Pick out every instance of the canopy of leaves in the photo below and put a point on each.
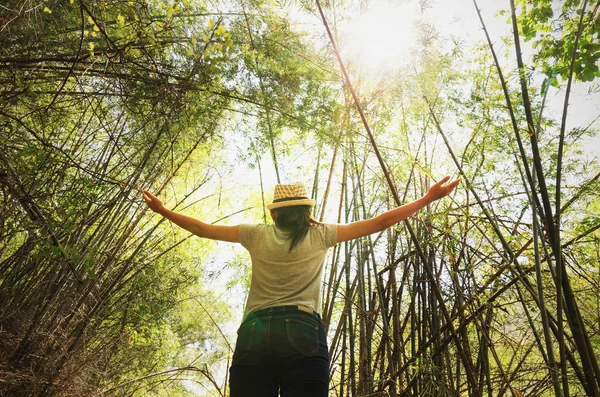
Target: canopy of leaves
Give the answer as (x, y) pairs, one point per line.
(494, 290)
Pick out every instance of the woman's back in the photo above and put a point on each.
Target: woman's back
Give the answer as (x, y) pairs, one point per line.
(282, 277)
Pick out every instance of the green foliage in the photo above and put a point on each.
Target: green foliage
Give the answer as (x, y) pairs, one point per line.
(100, 99)
(553, 30)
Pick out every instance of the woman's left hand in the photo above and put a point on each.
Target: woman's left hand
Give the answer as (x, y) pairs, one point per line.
(442, 189)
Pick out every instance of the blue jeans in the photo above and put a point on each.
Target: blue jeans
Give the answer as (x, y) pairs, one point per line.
(280, 349)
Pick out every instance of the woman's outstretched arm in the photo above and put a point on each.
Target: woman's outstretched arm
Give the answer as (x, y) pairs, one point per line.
(364, 228)
(199, 228)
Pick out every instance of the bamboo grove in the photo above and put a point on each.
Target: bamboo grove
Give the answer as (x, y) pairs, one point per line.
(493, 292)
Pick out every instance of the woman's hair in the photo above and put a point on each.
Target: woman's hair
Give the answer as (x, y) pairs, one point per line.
(296, 219)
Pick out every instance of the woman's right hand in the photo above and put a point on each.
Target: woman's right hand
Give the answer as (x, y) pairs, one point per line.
(442, 188)
(153, 202)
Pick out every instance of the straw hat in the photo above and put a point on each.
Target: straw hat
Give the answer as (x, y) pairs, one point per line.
(290, 195)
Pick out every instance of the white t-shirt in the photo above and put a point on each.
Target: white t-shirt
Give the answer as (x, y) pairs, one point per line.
(281, 277)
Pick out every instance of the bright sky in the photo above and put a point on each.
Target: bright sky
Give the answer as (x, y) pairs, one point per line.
(379, 38)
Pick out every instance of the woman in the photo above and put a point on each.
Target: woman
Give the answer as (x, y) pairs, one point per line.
(281, 345)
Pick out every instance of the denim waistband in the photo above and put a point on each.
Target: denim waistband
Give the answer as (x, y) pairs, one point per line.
(285, 309)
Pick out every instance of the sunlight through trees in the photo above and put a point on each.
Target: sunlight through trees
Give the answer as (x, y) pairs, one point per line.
(208, 104)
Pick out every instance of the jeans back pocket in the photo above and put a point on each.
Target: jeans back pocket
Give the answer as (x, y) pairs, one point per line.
(303, 335)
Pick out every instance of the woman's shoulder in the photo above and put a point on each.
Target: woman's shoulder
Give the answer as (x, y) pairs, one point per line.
(327, 231)
(253, 228)
(323, 226)
(250, 232)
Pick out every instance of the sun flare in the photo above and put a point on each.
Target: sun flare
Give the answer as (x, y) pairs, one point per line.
(380, 38)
